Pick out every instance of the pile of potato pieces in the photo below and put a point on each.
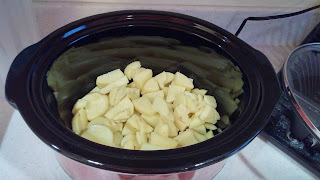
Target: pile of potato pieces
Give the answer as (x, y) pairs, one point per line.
(150, 113)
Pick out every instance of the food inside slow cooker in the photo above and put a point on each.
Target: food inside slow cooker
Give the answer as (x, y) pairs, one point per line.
(165, 97)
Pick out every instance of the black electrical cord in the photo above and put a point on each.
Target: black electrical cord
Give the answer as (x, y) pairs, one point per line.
(273, 17)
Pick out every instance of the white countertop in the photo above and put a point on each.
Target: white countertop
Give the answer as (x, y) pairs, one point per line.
(24, 156)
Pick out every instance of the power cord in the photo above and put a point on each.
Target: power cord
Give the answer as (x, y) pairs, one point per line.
(273, 17)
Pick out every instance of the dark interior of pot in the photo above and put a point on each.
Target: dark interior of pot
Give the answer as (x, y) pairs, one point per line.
(84, 69)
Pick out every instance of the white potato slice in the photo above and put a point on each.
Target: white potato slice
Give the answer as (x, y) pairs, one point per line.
(181, 113)
(104, 121)
(186, 138)
(144, 106)
(162, 129)
(180, 125)
(169, 117)
(121, 93)
(201, 92)
(159, 105)
(152, 95)
(151, 120)
(126, 130)
(200, 129)
(133, 93)
(210, 100)
(123, 105)
(169, 78)
(113, 95)
(128, 145)
(119, 126)
(122, 81)
(173, 131)
(141, 137)
(150, 147)
(79, 121)
(191, 105)
(133, 123)
(161, 141)
(208, 114)
(80, 104)
(130, 70)
(199, 136)
(173, 91)
(141, 78)
(108, 78)
(180, 99)
(210, 126)
(102, 133)
(117, 138)
(97, 107)
(150, 86)
(122, 116)
(95, 90)
(161, 78)
(144, 127)
(209, 134)
(165, 91)
(196, 122)
(182, 80)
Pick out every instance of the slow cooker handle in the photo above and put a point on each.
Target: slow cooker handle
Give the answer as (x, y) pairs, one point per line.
(17, 75)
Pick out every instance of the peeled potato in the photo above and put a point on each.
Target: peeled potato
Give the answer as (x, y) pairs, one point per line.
(182, 80)
(144, 106)
(109, 78)
(102, 134)
(141, 78)
(97, 107)
(130, 70)
(170, 114)
(79, 121)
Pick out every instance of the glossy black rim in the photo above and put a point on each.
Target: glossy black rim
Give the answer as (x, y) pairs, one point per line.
(46, 125)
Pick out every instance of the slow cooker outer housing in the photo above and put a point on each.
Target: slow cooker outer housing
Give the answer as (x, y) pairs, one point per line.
(26, 79)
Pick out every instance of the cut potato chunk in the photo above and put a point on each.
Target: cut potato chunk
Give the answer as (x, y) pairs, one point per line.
(79, 121)
(151, 120)
(122, 81)
(208, 114)
(141, 138)
(95, 90)
(161, 141)
(180, 99)
(122, 116)
(150, 86)
(186, 138)
(162, 129)
(173, 131)
(113, 95)
(169, 78)
(133, 93)
(117, 138)
(123, 105)
(102, 134)
(209, 134)
(161, 78)
(201, 92)
(182, 80)
(144, 127)
(199, 136)
(191, 105)
(80, 104)
(180, 125)
(210, 126)
(144, 106)
(131, 69)
(106, 122)
(200, 129)
(152, 95)
(126, 130)
(133, 123)
(108, 78)
(173, 91)
(141, 78)
(210, 100)
(150, 147)
(97, 107)
(196, 122)
(165, 91)
(181, 113)
(159, 105)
